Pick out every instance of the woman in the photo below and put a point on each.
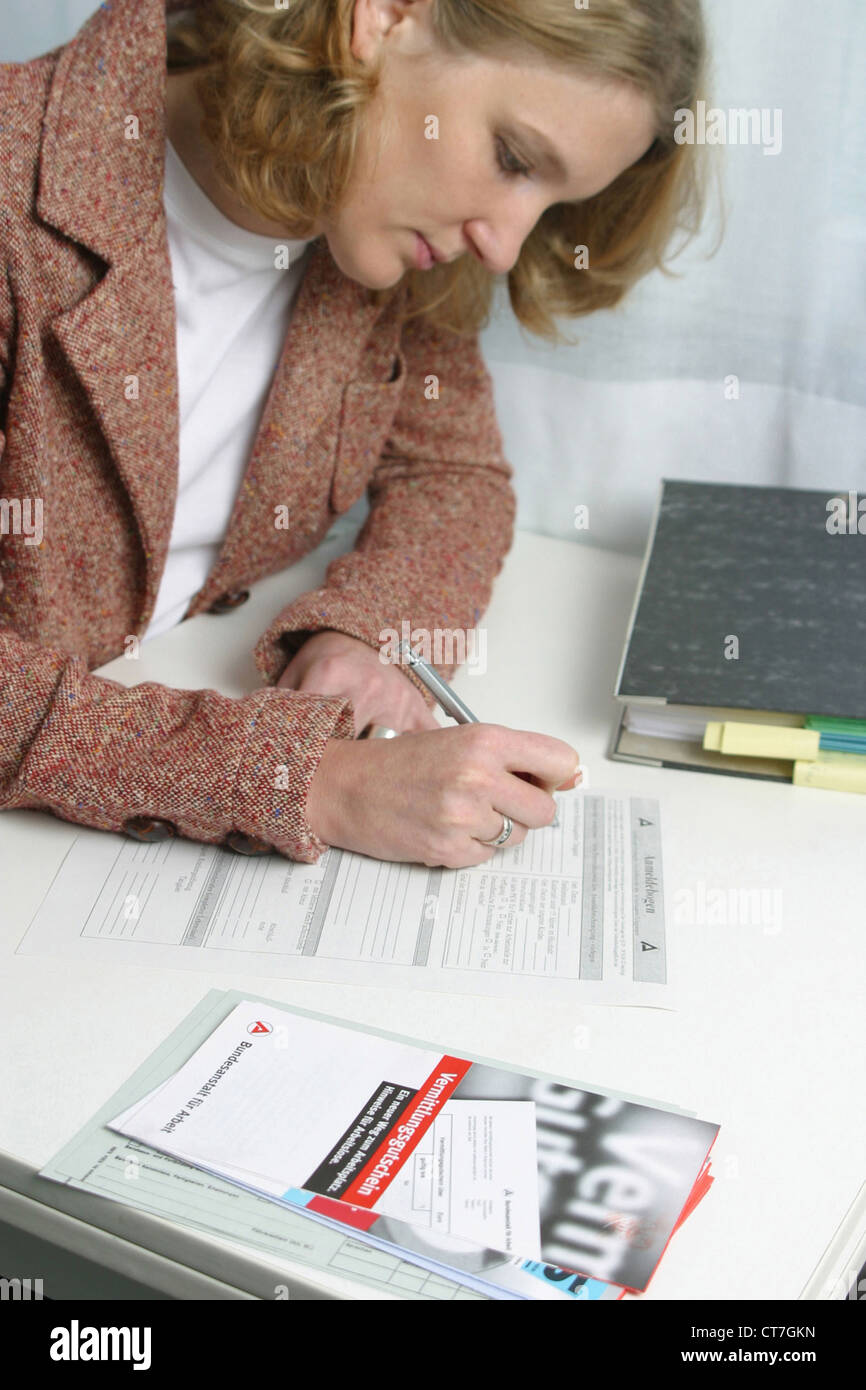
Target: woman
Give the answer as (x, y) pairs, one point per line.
(397, 154)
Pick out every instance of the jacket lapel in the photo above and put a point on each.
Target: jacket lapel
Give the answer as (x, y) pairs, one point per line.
(330, 323)
(117, 341)
(101, 184)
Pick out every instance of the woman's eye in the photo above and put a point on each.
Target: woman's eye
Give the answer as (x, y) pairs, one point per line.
(509, 162)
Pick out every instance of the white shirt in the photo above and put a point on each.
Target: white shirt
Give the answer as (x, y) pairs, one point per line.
(233, 308)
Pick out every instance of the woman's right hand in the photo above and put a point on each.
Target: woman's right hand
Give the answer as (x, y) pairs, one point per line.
(431, 797)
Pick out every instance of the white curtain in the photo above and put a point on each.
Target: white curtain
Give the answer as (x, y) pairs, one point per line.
(781, 307)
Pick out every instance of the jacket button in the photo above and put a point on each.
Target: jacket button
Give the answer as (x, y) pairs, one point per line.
(246, 844)
(148, 829)
(226, 602)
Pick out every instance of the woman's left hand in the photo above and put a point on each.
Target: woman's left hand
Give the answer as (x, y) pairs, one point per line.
(331, 663)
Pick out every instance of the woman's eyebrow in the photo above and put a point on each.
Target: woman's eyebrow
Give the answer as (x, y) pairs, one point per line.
(543, 149)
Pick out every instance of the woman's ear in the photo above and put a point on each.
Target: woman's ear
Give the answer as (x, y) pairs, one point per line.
(372, 21)
(366, 29)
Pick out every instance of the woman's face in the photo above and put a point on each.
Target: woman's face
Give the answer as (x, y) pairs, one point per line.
(504, 127)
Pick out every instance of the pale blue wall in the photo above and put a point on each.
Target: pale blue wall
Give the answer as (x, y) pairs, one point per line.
(31, 27)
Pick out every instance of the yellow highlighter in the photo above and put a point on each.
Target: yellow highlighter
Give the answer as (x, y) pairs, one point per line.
(762, 741)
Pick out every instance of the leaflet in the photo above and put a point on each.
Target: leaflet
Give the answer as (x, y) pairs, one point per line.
(126, 1174)
(289, 1104)
(474, 1174)
(575, 912)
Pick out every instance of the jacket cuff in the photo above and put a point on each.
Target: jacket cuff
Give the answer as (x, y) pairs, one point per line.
(207, 763)
(286, 743)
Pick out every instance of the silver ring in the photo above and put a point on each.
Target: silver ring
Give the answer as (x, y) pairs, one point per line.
(380, 731)
(507, 827)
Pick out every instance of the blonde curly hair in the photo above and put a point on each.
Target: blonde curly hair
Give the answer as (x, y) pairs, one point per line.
(284, 100)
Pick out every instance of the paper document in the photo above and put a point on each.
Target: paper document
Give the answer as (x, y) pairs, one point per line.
(125, 1173)
(474, 1174)
(575, 912)
(289, 1104)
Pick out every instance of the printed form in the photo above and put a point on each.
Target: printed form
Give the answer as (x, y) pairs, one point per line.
(577, 909)
(474, 1174)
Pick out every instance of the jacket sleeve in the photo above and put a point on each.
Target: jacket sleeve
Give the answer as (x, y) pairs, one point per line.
(441, 519)
(97, 753)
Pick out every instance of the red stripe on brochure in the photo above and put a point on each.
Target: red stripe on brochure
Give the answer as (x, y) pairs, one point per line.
(398, 1144)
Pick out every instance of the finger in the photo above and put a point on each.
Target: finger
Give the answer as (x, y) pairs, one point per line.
(549, 761)
(517, 836)
(424, 720)
(538, 782)
(470, 856)
(473, 852)
(401, 723)
(419, 715)
(572, 782)
(549, 786)
(524, 802)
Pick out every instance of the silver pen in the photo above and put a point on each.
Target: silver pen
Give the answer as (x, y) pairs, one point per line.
(451, 703)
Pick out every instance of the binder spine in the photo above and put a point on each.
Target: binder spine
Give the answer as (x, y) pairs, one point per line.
(637, 598)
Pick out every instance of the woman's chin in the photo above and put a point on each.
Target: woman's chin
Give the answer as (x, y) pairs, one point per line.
(369, 274)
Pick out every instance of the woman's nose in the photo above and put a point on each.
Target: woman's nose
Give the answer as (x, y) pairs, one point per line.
(499, 239)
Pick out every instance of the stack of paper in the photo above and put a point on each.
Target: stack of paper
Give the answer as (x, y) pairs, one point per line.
(513, 1185)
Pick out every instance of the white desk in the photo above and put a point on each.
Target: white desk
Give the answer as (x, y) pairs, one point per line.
(767, 1039)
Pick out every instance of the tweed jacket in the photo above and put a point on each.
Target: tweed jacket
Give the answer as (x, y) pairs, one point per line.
(89, 439)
